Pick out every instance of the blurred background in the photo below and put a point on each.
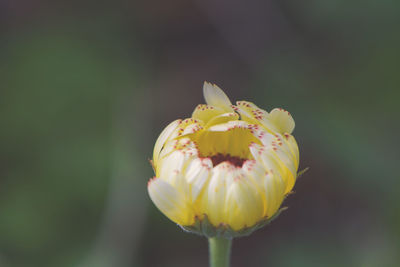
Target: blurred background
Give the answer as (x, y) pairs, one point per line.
(87, 86)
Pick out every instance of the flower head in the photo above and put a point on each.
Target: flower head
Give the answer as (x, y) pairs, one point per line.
(227, 169)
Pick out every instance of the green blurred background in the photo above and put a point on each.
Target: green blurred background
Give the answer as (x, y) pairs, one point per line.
(87, 86)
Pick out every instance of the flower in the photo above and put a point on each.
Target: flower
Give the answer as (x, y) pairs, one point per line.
(225, 170)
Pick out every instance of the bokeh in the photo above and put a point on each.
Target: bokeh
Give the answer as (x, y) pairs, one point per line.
(87, 86)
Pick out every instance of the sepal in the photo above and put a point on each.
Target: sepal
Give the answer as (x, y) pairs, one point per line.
(300, 173)
(203, 227)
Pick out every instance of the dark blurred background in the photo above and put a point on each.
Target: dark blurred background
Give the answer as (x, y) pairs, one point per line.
(87, 86)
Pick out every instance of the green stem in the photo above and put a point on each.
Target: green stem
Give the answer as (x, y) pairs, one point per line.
(220, 251)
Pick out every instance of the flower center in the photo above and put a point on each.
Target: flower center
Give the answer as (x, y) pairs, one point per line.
(219, 158)
(231, 145)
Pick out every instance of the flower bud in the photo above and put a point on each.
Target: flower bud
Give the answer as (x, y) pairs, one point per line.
(226, 170)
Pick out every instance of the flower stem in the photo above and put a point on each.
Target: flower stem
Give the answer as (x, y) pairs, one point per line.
(220, 251)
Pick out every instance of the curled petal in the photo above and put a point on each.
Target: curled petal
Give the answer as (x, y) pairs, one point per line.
(197, 175)
(213, 201)
(164, 136)
(230, 138)
(275, 192)
(293, 147)
(173, 165)
(282, 120)
(232, 116)
(170, 201)
(205, 113)
(244, 203)
(251, 113)
(214, 96)
(257, 174)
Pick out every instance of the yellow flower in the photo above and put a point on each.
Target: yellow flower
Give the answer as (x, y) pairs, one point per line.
(228, 165)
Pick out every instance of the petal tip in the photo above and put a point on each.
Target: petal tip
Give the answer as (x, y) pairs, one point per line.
(214, 96)
(282, 119)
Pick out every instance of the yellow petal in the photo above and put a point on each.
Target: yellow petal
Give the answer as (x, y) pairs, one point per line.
(256, 173)
(268, 157)
(213, 200)
(197, 175)
(261, 134)
(170, 201)
(244, 204)
(192, 128)
(292, 144)
(275, 192)
(175, 163)
(274, 182)
(205, 113)
(245, 112)
(282, 120)
(223, 118)
(164, 136)
(231, 138)
(214, 96)
(285, 154)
